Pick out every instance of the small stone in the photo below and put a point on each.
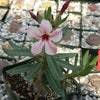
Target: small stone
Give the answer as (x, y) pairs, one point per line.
(95, 22)
(94, 98)
(3, 63)
(95, 81)
(88, 98)
(17, 17)
(20, 3)
(93, 39)
(93, 7)
(4, 2)
(71, 8)
(14, 27)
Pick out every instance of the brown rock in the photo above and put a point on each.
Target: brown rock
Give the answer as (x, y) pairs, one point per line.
(95, 22)
(3, 63)
(20, 3)
(95, 81)
(17, 17)
(93, 39)
(71, 8)
(4, 2)
(93, 7)
(70, 21)
(14, 27)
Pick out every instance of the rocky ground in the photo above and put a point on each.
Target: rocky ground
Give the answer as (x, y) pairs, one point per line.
(85, 16)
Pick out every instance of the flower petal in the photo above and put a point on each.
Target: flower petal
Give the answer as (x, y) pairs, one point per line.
(34, 32)
(56, 35)
(45, 26)
(50, 48)
(37, 47)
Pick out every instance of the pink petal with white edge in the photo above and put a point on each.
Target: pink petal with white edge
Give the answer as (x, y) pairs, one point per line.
(37, 47)
(45, 26)
(56, 35)
(50, 48)
(34, 32)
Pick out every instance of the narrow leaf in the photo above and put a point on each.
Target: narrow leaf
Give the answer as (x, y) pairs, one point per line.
(32, 72)
(65, 55)
(76, 13)
(64, 19)
(76, 59)
(94, 61)
(55, 84)
(87, 70)
(85, 59)
(57, 21)
(18, 52)
(21, 69)
(54, 68)
(45, 14)
(13, 45)
(66, 64)
(49, 14)
(38, 16)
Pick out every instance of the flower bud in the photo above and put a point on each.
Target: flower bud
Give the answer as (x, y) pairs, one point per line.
(52, 17)
(33, 16)
(64, 7)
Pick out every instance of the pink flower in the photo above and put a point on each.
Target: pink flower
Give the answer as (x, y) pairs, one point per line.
(46, 38)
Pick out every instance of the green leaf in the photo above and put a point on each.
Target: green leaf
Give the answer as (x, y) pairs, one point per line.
(95, 71)
(57, 21)
(76, 59)
(49, 13)
(91, 65)
(65, 30)
(13, 45)
(65, 55)
(94, 61)
(21, 69)
(85, 59)
(54, 68)
(87, 70)
(65, 64)
(55, 84)
(45, 14)
(33, 71)
(74, 12)
(38, 16)
(64, 19)
(18, 52)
